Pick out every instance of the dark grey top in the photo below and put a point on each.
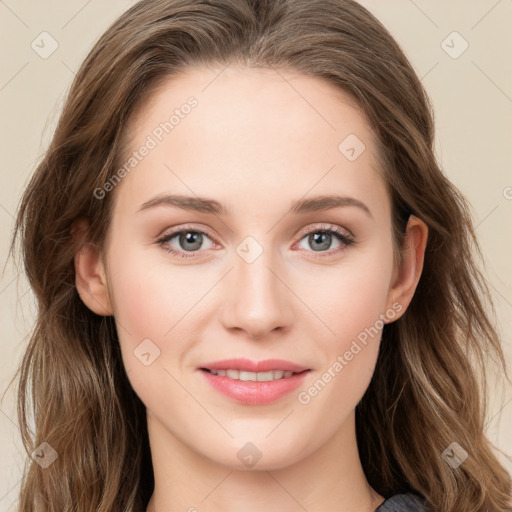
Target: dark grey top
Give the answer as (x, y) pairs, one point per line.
(403, 503)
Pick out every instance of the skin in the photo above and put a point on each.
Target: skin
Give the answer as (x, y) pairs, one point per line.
(257, 141)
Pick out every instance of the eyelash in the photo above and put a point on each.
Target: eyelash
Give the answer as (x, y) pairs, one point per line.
(345, 240)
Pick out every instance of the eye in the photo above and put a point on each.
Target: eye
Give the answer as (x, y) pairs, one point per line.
(321, 239)
(185, 241)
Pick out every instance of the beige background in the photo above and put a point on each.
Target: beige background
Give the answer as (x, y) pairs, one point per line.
(472, 98)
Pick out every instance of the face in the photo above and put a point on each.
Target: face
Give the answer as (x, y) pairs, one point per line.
(257, 227)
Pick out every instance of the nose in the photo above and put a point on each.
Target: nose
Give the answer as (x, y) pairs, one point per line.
(258, 300)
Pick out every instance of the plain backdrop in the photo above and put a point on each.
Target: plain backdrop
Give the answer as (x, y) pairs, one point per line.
(460, 49)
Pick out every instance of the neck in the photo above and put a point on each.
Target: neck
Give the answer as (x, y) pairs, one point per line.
(330, 479)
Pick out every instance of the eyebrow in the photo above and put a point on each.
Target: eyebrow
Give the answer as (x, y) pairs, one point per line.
(205, 205)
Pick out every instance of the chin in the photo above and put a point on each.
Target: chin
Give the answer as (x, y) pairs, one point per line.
(260, 454)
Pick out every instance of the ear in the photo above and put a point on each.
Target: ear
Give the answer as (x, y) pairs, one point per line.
(408, 272)
(90, 276)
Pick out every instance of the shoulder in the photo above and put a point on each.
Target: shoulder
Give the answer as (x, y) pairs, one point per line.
(403, 503)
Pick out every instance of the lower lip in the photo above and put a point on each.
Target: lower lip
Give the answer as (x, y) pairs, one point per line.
(253, 392)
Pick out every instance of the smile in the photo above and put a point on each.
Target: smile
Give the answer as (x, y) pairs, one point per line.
(253, 376)
(256, 383)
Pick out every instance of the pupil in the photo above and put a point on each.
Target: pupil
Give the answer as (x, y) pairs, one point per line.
(317, 237)
(191, 237)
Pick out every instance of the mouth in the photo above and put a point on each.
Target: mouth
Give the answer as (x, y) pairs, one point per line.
(247, 376)
(254, 382)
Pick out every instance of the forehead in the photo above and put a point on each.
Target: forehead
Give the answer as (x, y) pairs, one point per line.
(250, 132)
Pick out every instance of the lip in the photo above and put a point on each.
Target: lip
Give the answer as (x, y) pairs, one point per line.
(254, 392)
(254, 366)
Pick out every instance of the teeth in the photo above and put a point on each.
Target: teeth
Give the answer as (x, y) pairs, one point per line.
(248, 376)
(233, 374)
(253, 376)
(265, 376)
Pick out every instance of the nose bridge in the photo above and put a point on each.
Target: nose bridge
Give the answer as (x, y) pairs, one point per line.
(259, 302)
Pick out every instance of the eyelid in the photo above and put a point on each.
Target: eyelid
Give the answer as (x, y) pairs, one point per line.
(185, 227)
(326, 227)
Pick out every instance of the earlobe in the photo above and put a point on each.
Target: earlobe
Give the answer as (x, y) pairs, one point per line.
(408, 273)
(90, 276)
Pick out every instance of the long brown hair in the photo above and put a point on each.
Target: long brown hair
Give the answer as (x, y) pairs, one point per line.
(428, 390)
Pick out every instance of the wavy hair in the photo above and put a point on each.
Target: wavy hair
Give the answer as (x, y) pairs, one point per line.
(429, 385)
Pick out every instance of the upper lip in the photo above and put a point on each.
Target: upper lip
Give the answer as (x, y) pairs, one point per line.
(254, 366)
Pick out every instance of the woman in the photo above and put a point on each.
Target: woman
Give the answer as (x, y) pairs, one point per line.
(321, 343)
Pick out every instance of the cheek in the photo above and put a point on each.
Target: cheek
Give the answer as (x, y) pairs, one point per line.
(357, 294)
(157, 301)
(357, 324)
(144, 304)
(354, 308)
(149, 295)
